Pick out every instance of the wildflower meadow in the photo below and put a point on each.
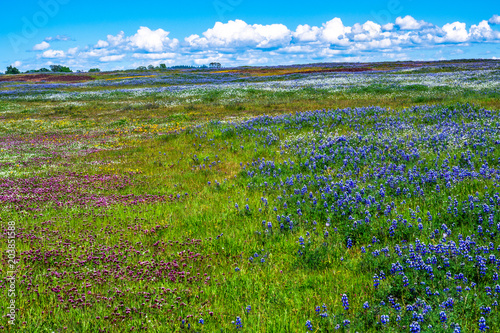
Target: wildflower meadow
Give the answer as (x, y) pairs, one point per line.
(312, 198)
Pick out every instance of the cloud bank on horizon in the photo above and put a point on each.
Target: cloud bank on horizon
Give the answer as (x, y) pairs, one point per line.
(238, 43)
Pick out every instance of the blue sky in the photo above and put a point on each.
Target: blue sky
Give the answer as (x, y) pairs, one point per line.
(123, 34)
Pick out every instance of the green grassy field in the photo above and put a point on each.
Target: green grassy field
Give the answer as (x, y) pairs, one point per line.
(183, 210)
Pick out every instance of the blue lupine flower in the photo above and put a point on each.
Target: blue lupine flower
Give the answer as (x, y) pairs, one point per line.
(376, 281)
(415, 327)
(238, 324)
(390, 166)
(485, 310)
(442, 317)
(345, 302)
(405, 281)
(482, 324)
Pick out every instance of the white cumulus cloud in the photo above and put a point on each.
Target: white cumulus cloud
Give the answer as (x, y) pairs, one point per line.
(306, 33)
(365, 32)
(454, 32)
(72, 51)
(53, 54)
(482, 31)
(155, 56)
(58, 38)
(409, 23)
(495, 19)
(152, 40)
(334, 32)
(101, 44)
(116, 57)
(116, 40)
(237, 42)
(388, 27)
(240, 34)
(42, 46)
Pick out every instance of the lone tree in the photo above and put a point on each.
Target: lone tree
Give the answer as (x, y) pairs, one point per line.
(94, 70)
(60, 69)
(12, 70)
(215, 65)
(163, 66)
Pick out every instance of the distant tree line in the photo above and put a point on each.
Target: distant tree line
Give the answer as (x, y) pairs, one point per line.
(163, 66)
(41, 70)
(60, 69)
(64, 69)
(12, 70)
(53, 68)
(151, 67)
